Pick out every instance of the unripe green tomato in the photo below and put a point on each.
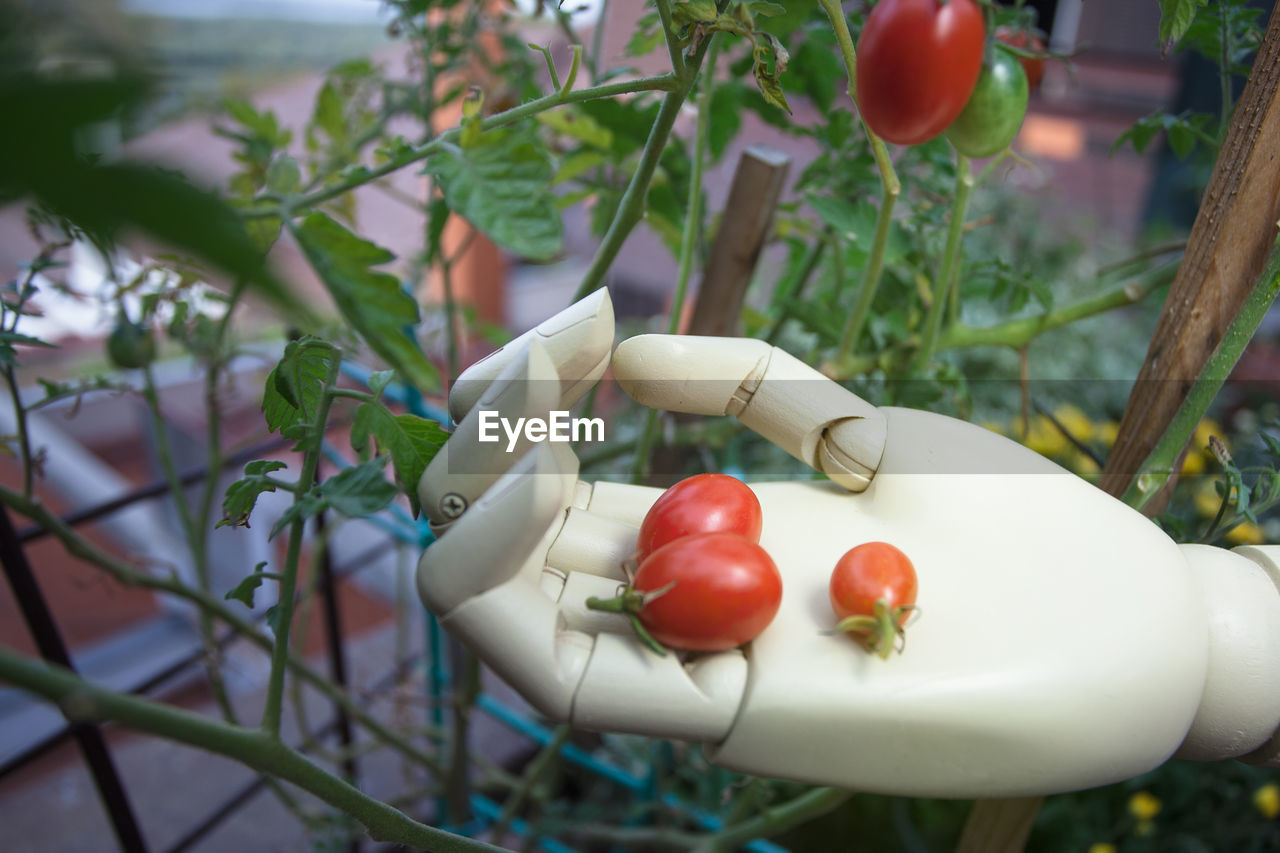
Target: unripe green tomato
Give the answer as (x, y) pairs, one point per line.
(130, 345)
(991, 118)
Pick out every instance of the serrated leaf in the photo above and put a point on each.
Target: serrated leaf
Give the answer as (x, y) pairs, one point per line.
(243, 591)
(770, 60)
(693, 12)
(379, 380)
(273, 619)
(578, 164)
(411, 441)
(295, 385)
(359, 490)
(502, 187)
(374, 303)
(1176, 17)
(300, 510)
(241, 495)
(578, 125)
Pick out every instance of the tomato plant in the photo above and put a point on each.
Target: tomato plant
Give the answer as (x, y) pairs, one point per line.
(918, 61)
(703, 503)
(709, 592)
(991, 118)
(873, 590)
(1023, 40)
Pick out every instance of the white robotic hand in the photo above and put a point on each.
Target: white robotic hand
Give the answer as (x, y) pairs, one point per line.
(1064, 641)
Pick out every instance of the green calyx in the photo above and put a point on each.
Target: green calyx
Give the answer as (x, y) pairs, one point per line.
(880, 632)
(629, 602)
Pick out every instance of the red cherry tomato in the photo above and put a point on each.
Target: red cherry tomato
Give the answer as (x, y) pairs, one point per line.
(708, 592)
(704, 503)
(873, 590)
(1026, 41)
(917, 63)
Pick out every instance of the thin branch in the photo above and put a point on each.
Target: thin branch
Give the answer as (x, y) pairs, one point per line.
(82, 701)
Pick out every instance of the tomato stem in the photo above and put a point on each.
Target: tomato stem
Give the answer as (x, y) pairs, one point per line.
(629, 603)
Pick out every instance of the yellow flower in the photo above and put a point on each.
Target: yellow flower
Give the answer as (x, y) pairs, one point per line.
(1144, 805)
(1106, 432)
(1246, 533)
(1083, 464)
(1102, 847)
(1193, 463)
(1044, 438)
(993, 426)
(1075, 422)
(1267, 800)
(1206, 428)
(1207, 499)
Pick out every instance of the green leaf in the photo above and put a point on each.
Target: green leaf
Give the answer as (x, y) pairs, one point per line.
(770, 60)
(295, 385)
(816, 71)
(411, 441)
(646, 37)
(766, 8)
(693, 12)
(1176, 17)
(244, 590)
(579, 125)
(726, 119)
(578, 164)
(243, 493)
(379, 380)
(273, 619)
(374, 303)
(359, 490)
(502, 187)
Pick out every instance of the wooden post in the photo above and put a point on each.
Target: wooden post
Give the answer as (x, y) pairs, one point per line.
(744, 225)
(753, 197)
(1226, 253)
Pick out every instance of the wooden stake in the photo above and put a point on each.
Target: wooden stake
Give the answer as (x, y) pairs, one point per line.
(757, 186)
(1227, 251)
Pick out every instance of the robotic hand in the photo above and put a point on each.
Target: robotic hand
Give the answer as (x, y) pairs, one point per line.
(1065, 641)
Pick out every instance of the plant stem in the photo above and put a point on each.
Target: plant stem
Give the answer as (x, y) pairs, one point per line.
(792, 295)
(669, 34)
(1158, 467)
(1020, 332)
(661, 83)
(293, 555)
(537, 768)
(950, 255)
(688, 243)
(127, 575)
(83, 701)
(890, 184)
(774, 820)
(631, 205)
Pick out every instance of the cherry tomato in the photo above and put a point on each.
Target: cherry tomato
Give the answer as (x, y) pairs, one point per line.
(995, 111)
(1033, 66)
(703, 503)
(873, 591)
(130, 345)
(918, 61)
(709, 592)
